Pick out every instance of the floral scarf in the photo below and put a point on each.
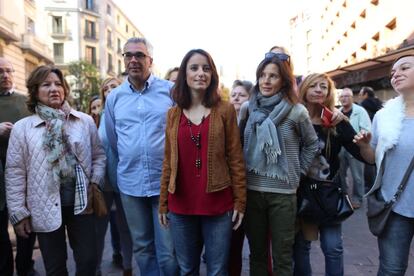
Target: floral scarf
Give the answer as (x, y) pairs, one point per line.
(56, 142)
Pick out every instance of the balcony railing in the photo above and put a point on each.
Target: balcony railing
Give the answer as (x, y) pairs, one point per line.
(31, 44)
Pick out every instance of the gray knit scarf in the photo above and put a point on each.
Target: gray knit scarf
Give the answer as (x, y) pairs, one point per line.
(264, 147)
(56, 142)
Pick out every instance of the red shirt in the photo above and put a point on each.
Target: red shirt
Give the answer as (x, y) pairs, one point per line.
(190, 197)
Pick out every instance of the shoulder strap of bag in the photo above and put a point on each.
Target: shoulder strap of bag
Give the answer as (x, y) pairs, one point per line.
(404, 181)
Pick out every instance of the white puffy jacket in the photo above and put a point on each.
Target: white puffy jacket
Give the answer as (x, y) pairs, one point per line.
(28, 173)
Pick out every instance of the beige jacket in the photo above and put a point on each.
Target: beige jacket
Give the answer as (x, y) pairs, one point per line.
(28, 174)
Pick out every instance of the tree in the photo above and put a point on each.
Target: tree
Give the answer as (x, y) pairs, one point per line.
(84, 83)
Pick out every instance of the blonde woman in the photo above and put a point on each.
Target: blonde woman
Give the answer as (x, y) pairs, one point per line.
(316, 92)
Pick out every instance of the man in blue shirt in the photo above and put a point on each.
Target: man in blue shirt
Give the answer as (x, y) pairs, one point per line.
(135, 117)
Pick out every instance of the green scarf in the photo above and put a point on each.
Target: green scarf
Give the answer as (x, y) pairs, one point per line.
(56, 142)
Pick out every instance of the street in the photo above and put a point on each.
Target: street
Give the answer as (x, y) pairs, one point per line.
(361, 253)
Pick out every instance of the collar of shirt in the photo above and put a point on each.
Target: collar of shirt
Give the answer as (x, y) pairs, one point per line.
(7, 93)
(147, 84)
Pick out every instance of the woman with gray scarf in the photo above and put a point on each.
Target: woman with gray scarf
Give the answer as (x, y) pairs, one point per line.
(54, 157)
(279, 145)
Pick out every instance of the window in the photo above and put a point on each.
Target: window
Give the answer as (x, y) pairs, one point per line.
(344, 4)
(109, 38)
(90, 29)
(29, 67)
(374, 2)
(108, 9)
(364, 47)
(376, 37)
(134, 34)
(345, 34)
(392, 24)
(110, 65)
(353, 25)
(118, 41)
(89, 4)
(363, 14)
(90, 55)
(57, 25)
(30, 25)
(119, 67)
(58, 52)
(126, 28)
(118, 20)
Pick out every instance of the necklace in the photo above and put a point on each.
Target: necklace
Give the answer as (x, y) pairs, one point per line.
(197, 142)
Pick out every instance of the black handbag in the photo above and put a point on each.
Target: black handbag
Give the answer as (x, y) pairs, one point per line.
(378, 209)
(322, 202)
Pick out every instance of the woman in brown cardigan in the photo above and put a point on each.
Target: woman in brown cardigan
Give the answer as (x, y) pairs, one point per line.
(203, 183)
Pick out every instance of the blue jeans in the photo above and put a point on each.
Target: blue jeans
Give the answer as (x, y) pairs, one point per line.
(189, 232)
(394, 245)
(152, 244)
(331, 244)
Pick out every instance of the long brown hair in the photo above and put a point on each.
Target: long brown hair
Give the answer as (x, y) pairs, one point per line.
(181, 92)
(286, 75)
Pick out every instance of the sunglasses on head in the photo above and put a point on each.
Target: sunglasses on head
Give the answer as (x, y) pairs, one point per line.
(279, 56)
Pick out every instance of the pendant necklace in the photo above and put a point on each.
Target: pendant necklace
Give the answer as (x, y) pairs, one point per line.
(197, 142)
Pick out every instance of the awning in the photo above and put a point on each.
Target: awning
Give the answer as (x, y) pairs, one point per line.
(370, 69)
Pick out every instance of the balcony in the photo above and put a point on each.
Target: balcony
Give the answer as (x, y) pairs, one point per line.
(7, 30)
(60, 34)
(35, 47)
(94, 37)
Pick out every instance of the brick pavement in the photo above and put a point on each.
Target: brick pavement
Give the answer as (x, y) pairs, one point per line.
(361, 253)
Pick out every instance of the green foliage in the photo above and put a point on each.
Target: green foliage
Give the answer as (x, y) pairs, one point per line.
(86, 83)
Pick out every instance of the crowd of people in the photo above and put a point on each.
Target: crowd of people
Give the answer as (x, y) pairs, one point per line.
(184, 172)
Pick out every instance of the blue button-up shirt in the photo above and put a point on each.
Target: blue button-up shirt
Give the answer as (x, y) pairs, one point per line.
(135, 127)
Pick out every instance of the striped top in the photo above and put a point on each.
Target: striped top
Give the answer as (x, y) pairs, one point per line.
(301, 146)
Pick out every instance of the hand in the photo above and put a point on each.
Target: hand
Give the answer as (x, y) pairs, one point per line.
(163, 220)
(238, 218)
(363, 138)
(5, 129)
(337, 117)
(23, 228)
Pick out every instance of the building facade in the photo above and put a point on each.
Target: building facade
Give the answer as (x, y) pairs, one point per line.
(354, 41)
(23, 39)
(91, 30)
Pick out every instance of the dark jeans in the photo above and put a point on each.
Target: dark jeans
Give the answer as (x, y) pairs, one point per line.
(189, 232)
(24, 262)
(394, 245)
(236, 251)
(275, 213)
(82, 240)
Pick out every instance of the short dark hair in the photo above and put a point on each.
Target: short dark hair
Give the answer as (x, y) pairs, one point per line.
(368, 90)
(36, 78)
(285, 71)
(181, 92)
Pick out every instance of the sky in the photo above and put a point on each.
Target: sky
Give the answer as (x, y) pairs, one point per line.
(237, 33)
